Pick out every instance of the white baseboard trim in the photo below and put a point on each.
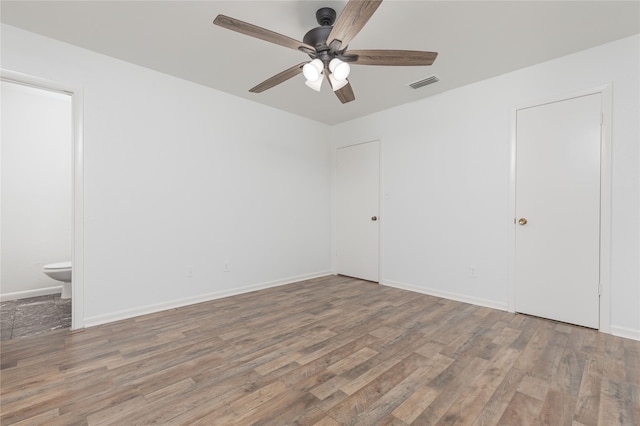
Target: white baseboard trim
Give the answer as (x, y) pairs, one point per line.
(628, 333)
(150, 309)
(447, 295)
(30, 293)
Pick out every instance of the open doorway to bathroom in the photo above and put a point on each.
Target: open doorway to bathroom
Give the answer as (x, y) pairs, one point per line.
(36, 215)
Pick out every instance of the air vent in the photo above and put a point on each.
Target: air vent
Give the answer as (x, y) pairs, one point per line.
(424, 82)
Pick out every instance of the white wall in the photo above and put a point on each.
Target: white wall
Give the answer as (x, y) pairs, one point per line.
(446, 179)
(36, 188)
(180, 176)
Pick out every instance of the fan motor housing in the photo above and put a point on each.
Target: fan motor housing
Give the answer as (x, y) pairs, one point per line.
(317, 37)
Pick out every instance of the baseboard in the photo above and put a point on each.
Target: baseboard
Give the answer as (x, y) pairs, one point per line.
(30, 293)
(150, 309)
(628, 333)
(447, 295)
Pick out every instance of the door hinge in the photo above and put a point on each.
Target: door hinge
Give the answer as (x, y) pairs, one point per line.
(601, 118)
(599, 289)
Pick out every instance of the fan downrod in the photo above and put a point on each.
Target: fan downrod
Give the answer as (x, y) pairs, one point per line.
(317, 37)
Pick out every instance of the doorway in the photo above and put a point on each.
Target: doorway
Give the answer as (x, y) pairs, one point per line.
(560, 200)
(357, 210)
(74, 167)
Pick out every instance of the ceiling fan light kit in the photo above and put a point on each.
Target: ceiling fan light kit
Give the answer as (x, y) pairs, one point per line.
(339, 69)
(315, 84)
(327, 46)
(337, 84)
(313, 70)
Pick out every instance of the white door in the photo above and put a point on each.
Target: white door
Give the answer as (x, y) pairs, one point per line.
(357, 203)
(557, 249)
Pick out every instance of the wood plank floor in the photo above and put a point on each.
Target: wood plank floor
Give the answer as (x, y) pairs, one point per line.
(328, 351)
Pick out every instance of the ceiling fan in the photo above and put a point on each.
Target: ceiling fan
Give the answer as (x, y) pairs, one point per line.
(327, 47)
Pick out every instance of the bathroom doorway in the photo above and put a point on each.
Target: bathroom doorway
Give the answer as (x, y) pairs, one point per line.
(41, 202)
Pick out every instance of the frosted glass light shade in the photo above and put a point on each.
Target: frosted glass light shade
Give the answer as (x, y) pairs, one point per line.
(315, 84)
(312, 70)
(339, 69)
(337, 84)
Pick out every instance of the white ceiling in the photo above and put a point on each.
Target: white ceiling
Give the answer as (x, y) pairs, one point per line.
(475, 40)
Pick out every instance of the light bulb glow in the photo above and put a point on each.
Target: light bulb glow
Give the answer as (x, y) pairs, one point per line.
(312, 70)
(339, 69)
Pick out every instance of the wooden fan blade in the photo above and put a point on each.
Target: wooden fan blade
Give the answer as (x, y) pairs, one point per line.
(393, 57)
(345, 94)
(259, 32)
(278, 78)
(352, 19)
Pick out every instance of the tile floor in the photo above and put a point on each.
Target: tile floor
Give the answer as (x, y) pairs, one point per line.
(35, 315)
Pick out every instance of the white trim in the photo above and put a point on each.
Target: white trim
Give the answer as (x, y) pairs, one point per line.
(30, 293)
(334, 234)
(77, 254)
(606, 171)
(627, 333)
(605, 197)
(150, 309)
(381, 212)
(511, 234)
(447, 295)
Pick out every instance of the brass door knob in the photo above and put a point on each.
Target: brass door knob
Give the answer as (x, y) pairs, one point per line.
(522, 221)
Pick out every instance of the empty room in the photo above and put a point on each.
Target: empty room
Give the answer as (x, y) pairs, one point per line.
(321, 213)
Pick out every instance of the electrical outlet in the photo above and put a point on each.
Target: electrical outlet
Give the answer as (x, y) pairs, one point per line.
(227, 266)
(189, 271)
(473, 272)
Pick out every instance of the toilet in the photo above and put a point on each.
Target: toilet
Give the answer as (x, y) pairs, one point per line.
(60, 272)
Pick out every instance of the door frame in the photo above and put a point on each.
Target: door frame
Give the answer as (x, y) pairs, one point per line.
(334, 214)
(605, 198)
(77, 178)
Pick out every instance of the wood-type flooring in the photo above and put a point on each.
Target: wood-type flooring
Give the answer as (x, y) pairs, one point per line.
(328, 351)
